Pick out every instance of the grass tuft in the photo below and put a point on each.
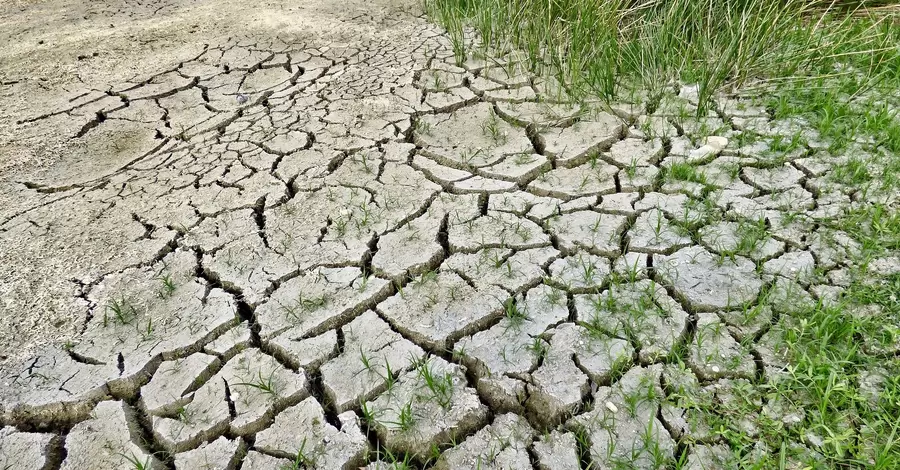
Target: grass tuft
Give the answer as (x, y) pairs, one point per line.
(611, 48)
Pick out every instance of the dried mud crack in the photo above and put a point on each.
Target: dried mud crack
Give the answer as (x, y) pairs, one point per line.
(356, 252)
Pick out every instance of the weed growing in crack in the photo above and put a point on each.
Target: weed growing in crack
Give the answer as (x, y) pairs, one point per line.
(363, 160)
(491, 128)
(364, 358)
(632, 271)
(458, 354)
(437, 82)
(303, 304)
(136, 463)
(181, 414)
(494, 257)
(504, 355)
(394, 460)
(509, 273)
(554, 296)
(122, 308)
(596, 327)
(658, 224)
(513, 313)
(523, 158)
(585, 180)
(685, 172)
(593, 159)
(168, 285)
(426, 277)
(369, 415)
(290, 210)
(284, 242)
(389, 376)
(454, 293)
(440, 386)
(435, 452)
(301, 460)
(854, 172)
(366, 217)
(340, 226)
(780, 144)
(523, 232)
(363, 283)
(750, 237)
(467, 156)
(588, 270)
(147, 332)
(538, 347)
(583, 442)
(631, 168)
(431, 299)
(405, 419)
(651, 446)
(266, 385)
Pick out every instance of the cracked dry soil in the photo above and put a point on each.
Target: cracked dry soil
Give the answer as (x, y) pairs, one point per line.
(237, 235)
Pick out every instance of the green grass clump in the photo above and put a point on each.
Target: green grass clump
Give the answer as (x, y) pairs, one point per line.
(606, 47)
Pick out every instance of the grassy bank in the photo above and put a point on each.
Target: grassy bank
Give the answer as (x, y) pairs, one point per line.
(611, 47)
(836, 65)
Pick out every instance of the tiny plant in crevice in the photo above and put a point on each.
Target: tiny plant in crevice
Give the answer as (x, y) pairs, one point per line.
(437, 82)
(515, 314)
(364, 358)
(431, 299)
(369, 415)
(428, 277)
(492, 129)
(395, 461)
(631, 169)
(146, 331)
(405, 418)
(301, 459)
(440, 386)
(495, 257)
(685, 172)
(389, 376)
(538, 347)
(168, 285)
(523, 158)
(122, 309)
(265, 384)
(363, 282)
(555, 297)
(136, 463)
(303, 304)
(182, 415)
(588, 270)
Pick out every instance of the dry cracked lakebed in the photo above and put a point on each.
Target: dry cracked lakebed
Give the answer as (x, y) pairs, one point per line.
(270, 236)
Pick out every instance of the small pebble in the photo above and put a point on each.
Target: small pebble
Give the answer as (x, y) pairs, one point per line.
(717, 142)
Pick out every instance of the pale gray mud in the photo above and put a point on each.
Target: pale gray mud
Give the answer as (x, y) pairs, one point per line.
(253, 234)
